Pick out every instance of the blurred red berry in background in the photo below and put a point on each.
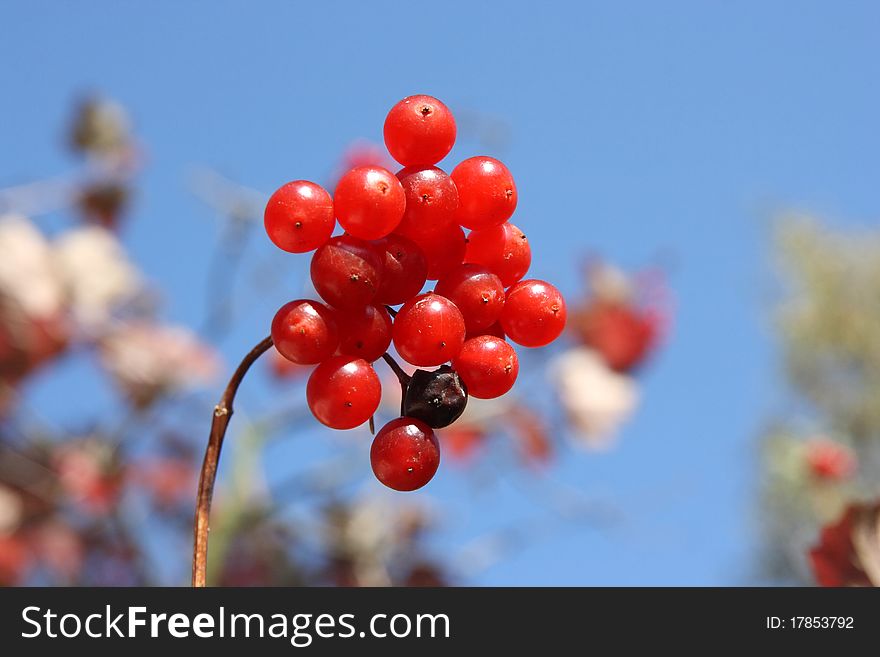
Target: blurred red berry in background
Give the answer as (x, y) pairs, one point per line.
(830, 460)
(622, 334)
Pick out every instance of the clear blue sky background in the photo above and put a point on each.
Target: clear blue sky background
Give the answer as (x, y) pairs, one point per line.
(637, 129)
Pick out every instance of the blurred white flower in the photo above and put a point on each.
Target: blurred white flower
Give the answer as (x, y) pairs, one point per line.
(11, 510)
(148, 360)
(368, 529)
(97, 274)
(28, 276)
(596, 399)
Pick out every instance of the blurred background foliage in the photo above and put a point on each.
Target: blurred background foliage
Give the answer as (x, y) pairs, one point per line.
(822, 456)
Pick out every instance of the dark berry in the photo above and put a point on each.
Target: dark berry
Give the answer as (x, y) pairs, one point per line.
(436, 397)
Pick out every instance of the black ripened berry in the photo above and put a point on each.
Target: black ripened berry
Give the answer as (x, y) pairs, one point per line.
(436, 397)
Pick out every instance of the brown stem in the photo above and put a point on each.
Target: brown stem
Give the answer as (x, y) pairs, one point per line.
(402, 377)
(222, 415)
(391, 311)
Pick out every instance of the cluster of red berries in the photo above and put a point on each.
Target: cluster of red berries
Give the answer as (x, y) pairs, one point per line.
(402, 230)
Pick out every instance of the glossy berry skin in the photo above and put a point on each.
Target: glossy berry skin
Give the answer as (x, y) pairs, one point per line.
(347, 272)
(443, 250)
(503, 250)
(343, 392)
(487, 365)
(419, 130)
(305, 332)
(369, 202)
(428, 330)
(431, 202)
(486, 192)
(365, 332)
(437, 398)
(477, 292)
(404, 272)
(534, 313)
(299, 216)
(405, 454)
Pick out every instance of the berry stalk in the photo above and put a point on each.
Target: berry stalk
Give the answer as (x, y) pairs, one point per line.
(208, 475)
(402, 376)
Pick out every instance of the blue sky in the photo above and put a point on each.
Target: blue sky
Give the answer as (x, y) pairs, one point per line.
(670, 130)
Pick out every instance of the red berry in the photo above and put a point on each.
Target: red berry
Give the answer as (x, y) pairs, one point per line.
(305, 332)
(486, 192)
(343, 392)
(534, 313)
(428, 330)
(405, 454)
(369, 202)
(419, 130)
(404, 272)
(365, 332)
(444, 250)
(299, 216)
(347, 272)
(487, 365)
(477, 292)
(503, 250)
(431, 201)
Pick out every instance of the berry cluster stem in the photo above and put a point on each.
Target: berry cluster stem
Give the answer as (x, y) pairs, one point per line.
(402, 376)
(219, 423)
